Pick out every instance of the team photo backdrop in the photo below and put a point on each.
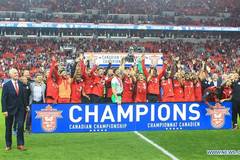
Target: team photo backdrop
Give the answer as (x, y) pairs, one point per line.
(50, 118)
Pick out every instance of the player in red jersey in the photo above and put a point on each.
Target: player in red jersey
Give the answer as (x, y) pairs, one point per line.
(141, 89)
(167, 88)
(178, 88)
(98, 86)
(189, 93)
(52, 86)
(88, 78)
(153, 81)
(77, 89)
(108, 80)
(129, 80)
(197, 88)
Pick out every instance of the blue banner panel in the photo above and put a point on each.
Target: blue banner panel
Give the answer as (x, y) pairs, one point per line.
(49, 118)
(114, 26)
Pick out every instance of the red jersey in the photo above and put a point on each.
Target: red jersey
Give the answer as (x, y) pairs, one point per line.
(167, 88)
(178, 91)
(98, 86)
(127, 96)
(88, 80)
(189, 93)
(141, 91)
(198, 91)
(52, 87)
(108, 86)
(227, 92)
(153, 83)
(76, 94)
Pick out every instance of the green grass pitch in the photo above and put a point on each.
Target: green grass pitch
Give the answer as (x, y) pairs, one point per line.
(185, 145)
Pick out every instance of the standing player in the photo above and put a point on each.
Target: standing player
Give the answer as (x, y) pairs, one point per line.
(153, 81)
(141, 89)
(117, 87)
(52, 86)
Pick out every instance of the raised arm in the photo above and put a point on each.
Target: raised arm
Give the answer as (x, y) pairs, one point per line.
(55, 69)
(144, 67)
(52, 67)
(162, 71)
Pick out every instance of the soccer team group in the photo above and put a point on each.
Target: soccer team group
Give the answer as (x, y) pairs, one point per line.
(170, 83)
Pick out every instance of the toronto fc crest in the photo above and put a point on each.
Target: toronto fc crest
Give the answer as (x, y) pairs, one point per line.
(49, 117)
(217, 114)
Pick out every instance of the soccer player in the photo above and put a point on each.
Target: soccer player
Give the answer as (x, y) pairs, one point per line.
(189, 93)
(178, 88)
(117, 87)
(77, 88)
(52, 86)
(141, 89)
(153, 81)
(167, 88)
(64, 85)
(197, 88)
(98, 86)
(108, 79)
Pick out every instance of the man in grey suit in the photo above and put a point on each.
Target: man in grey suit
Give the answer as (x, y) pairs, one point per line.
(37, 96)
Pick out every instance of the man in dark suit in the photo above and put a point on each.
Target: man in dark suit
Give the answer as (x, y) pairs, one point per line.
(14, 107)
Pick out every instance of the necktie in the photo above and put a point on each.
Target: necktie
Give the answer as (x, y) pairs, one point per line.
(16, 87)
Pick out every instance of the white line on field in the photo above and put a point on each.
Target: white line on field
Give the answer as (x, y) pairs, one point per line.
(156, 145)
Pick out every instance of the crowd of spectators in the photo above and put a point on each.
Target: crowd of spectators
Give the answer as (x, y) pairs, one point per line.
(151, 7)
(108, 11)
(35, 54)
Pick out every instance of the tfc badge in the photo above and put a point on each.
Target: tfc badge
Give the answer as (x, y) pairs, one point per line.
(217, 114)
(49, 117)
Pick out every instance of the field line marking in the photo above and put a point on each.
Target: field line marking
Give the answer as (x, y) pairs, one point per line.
(156, 146)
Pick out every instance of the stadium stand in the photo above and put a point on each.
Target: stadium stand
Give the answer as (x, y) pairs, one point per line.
(171, 12)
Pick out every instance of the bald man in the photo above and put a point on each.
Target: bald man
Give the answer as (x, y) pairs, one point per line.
(14, 107)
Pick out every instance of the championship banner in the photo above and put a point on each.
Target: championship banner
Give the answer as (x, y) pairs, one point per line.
(103, 58)
(60, 118)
